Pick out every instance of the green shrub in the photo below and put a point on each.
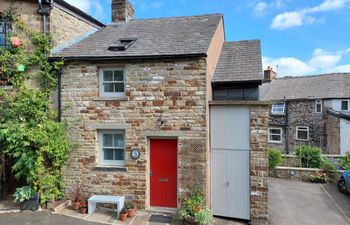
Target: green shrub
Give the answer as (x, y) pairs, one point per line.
(309, 156)
(23, 193)
(275, 158)
(327, 165)
(345, 162)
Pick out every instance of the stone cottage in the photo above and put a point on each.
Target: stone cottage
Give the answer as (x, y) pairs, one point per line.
(137, 95)
(311, 110)
(64, 22)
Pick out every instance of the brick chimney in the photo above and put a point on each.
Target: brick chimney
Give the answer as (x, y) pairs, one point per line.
(122, 11)
(269, 75)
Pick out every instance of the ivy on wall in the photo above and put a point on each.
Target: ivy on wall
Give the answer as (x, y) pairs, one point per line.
(29, 133)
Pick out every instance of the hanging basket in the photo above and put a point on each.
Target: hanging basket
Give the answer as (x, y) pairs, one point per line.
(16, 42)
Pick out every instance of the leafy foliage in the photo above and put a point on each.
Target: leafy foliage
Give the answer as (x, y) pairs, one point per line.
(345, 162)
(327, 165)
(275, 158)
(23, 193)
(195, 207)
(310, 156)
(29, 132)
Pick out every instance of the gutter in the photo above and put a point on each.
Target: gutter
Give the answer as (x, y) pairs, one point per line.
(110, 58)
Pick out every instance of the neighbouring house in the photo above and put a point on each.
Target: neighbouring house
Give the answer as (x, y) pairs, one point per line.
(64, 22)
(138, 95)
(309, 110)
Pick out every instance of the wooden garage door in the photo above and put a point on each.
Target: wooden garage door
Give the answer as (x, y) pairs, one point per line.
(230, 161)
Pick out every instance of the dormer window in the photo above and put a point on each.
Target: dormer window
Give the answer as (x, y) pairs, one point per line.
(122, 44)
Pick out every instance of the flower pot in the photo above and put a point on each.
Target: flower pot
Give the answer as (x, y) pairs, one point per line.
(131, 212)
(51, 204)
(16, 42)
(30, 204)
(190, 221)
(76, 205)
(123, 217)
(83, 210)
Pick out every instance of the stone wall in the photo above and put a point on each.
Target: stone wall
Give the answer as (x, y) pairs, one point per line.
(174, 90)
(300, 113)
(259, 118)
(64, 26)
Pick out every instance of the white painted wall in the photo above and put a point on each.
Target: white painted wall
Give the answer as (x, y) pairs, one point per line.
(344, 136)
(336, 104)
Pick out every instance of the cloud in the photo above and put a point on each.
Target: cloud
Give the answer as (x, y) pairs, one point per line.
(147, 5)
(298, 18)
(259, 8)
(83, 5)
(321, 62)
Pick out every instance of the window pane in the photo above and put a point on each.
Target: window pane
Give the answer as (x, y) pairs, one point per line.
(119, 154)
(2, 39)
(118, 75)
(118, 140)
(107, 75)
(302, 135)
(275, 131)
(107, 140)
(318, 108)
(344, 105)
(275, 137)
(119, 87)
(108, 154)
(108, 87)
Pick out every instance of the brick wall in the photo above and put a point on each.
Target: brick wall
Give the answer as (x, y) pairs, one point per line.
(259, 118)
(174, 90)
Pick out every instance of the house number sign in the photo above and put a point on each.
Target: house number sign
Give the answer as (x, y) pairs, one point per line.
(135, 154)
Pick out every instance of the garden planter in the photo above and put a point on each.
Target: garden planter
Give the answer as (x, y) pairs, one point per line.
(189, 221)
(83, 210)
(131, 212)
(76, 205)
(51, 204)
(30, 204)
(123, 217)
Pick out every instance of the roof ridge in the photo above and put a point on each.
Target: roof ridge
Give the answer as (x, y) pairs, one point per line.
(312, 76)
(171, 18)
(249, 40)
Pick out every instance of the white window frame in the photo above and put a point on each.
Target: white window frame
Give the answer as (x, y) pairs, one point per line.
(110, 163)
(341, 103)
(275, 105)
(318, 102)
(302, 128)
(101, 82)
(281, 135)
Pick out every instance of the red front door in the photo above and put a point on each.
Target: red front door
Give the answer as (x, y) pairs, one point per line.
(163, 174)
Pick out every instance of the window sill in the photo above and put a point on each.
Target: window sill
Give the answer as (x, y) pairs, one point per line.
(274, 142)
(277, 114)
(110, 169)
(116, 98)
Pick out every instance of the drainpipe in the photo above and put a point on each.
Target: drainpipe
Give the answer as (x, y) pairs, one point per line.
(59, 97)
(286, 126)
(44, 10)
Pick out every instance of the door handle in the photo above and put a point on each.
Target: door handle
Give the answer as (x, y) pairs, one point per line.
(163, 179)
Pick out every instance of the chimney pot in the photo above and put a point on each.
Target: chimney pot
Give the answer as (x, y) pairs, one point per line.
(269, 74)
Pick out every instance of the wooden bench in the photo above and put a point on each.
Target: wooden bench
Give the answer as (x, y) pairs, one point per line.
(118, 200)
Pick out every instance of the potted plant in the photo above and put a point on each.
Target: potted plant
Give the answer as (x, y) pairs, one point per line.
(123, 214)
(319, 177)
(76, 197)
(27, 197)
(130, 206)
(194, 210)
(83, 207)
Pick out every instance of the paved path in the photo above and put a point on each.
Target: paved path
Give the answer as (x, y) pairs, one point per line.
(342, 200)
(302, 203)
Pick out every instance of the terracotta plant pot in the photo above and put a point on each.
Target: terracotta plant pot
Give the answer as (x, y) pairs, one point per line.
(76, 205)
(123, 217)
(131, 212)
(51, 204)
(83, 210)
(16, 42)
(190, 221)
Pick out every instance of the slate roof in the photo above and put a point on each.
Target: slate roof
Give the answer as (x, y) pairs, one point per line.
(327, 86)
(240, 61)
(155, 37)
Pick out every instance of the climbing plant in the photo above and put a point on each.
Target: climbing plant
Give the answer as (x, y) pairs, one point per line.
(29, 131)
